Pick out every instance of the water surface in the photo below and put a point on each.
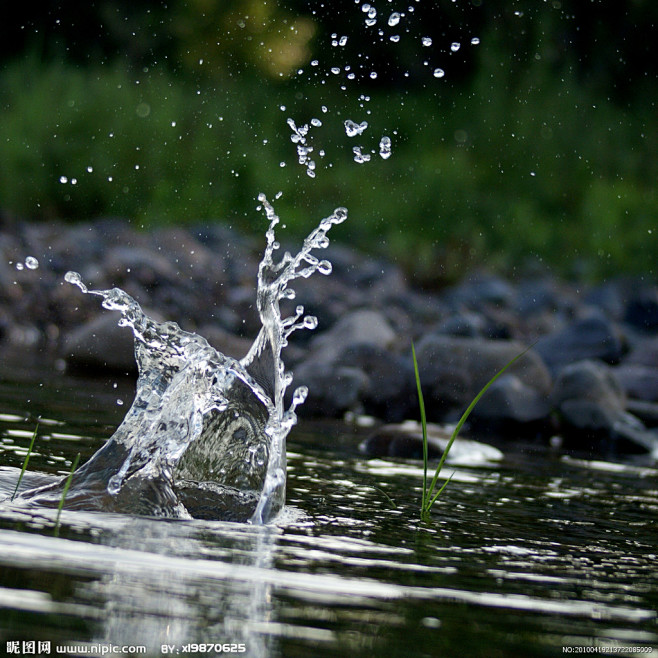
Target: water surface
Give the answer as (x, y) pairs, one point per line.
(524, 557)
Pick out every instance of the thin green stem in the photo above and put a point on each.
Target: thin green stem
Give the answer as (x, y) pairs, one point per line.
(67, 484)
(429, 497)
(423, 423)
(27, 459)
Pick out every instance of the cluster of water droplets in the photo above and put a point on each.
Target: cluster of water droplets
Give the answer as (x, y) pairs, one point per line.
(393, 25)
(31, 263)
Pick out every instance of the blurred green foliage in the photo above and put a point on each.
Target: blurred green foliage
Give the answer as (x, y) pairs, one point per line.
(536, 146)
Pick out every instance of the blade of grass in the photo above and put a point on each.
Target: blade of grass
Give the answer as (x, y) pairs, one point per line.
(423, 423)
(27, 459)
(67, 484)
(429, 500)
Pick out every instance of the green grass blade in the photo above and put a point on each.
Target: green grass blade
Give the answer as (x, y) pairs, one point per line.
(430, 500)
(27, 459)
(423, 423)
(67, 484)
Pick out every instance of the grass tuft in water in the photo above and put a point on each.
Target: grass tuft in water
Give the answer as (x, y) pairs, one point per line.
(27, 459)
(429, 497)
(67, 484)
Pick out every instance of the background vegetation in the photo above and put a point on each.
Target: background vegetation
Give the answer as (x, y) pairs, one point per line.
(537, 145)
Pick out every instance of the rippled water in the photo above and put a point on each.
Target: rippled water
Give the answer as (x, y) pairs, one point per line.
(538, 552)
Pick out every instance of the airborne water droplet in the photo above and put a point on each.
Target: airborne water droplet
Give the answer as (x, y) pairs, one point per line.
(394, 19)
(439, 73)
(426, 41)
(353, 129)
(360, 157)
(455, 46)
(385, 147)
(31, 263)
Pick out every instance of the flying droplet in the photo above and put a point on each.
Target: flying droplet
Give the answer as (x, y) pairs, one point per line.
(426, 41)
(439, 73)
(385, 147)
(455, 46)
(31, 263)
(394, 19)
(353, 129)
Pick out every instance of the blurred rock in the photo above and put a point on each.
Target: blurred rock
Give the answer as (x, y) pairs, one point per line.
(99, 345)
(592, 337)
(406, 440)
(453, 370)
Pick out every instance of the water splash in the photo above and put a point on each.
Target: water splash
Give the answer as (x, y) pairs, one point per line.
(206, 433)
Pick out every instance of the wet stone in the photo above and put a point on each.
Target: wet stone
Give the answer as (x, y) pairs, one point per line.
(592, 337)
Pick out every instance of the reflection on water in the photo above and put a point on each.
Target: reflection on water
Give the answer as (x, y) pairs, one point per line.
(525, 556)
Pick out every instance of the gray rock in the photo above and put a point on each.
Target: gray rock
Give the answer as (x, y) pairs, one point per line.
(644, 353)
(453, 370)
(332, 390)
(510, 400)
(638, 381)
(642, 309)
(589, 399)
(390, 390)
(482, 289)
(100, 344)
(361, 327)
(592, 337)
(406, 440)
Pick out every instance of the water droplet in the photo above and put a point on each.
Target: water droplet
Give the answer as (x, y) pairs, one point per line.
(324, 267)
(385, 147)
(395, 38)
(335, 70)
(394, 19)
(342, 41)
(120, 402)
(455, 46)
(310, 321)
(63, 180)
(316, 122)
(426, 41)
(373, 75)
(90, 169)
(19, 266)
(439, 73)
(352, 129)
(475, 41)
(31, 263)
(360, 157)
